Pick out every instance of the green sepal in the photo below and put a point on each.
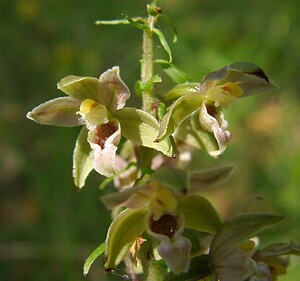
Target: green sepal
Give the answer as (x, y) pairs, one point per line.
(238, 229)
(200, 267)
(248, 76)
(177, 112)
(122, 233)
(208, 178)
(175, 179)
(142, 128)
(176, 74)
(82, 159)
(92, 257)
(181, 89)
(191, 132)
(200, 214)
(134, 197)
(278, 249)
(80, 88)
(58, 112)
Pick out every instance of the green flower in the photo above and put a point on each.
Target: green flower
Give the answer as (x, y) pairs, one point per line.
(99, 104)
(231, 262)
(163, 207)
(196, 117)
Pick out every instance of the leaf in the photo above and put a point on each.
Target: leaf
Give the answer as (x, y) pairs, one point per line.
(136, 22)
(238, 229)
(208, 178)
(200, 267)
(82, 158)
(200, 214)
(177, 112)
(142, 128)
(80, 88)
(92, 257)
(175, 73)
(163, 42)
(58, 112)
(248, 76)
(122, 233)
(116, 22)
(175, 179)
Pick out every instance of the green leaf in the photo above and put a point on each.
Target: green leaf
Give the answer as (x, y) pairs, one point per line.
(200, 214)
(208, 178)
(200, 267)
(248, 76)
(116, 22)
(163, 42)
(82, 159)
(238, 229)
(176, 74)
(136, 22)
(80, 88)
(92, 257)
(58, 112)
(177, 112)
(171, 23)
(142, 128)
(122, 233)
(175, 179)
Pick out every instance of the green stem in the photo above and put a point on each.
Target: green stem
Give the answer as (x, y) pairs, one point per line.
(147, 63)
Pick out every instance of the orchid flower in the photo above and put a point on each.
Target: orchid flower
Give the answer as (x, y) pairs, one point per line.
(196, 117)
(99, 105)
(163, 207)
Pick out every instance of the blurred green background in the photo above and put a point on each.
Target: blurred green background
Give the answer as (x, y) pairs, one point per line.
(47, 227)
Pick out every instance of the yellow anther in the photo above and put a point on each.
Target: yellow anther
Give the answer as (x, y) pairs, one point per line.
(86, 106)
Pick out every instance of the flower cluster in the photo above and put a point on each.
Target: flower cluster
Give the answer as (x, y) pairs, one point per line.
(157, 204)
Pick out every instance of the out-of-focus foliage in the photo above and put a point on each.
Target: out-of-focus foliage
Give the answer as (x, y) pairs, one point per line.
(47, 228)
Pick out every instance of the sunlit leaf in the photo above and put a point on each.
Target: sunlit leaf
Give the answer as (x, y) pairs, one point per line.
(175, 73)
(82, 159)
(163, 42)
(122, 233)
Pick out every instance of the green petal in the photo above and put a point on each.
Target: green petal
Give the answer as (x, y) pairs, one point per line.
(200, 214)
(142, 128)
(82, 159)
(59, 112)
(80, 88)
(208, 178)
(122, 233)
(175, 179)
(248, 76)
(177, 112)
(238, 229)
